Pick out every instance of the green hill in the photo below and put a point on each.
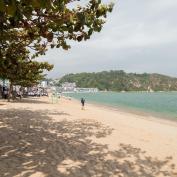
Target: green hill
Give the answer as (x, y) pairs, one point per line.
(119, 81)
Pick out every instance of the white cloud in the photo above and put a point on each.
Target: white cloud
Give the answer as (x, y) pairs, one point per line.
(137, 33)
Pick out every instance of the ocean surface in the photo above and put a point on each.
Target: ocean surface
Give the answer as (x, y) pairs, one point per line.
(163, 104)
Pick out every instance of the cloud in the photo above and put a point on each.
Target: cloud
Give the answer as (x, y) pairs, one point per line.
(143, 31)
(139, 36)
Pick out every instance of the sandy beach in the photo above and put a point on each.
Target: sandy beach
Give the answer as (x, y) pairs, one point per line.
(41, 139)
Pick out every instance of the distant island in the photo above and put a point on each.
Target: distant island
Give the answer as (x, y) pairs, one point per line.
(121, 81)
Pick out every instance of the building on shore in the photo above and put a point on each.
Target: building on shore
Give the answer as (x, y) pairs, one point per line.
(43, 84)
(4, 82)
(88, 90)
(71, 87)
(68, 87)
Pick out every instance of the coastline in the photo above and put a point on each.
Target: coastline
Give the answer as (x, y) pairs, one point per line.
(145, 114)
(160, 105)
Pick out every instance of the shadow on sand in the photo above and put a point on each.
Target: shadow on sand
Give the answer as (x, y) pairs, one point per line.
(30, 100)
(31, 144)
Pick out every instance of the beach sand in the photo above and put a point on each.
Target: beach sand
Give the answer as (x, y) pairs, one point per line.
(41, 139)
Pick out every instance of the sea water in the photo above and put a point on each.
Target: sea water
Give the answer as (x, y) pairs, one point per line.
(163, 104)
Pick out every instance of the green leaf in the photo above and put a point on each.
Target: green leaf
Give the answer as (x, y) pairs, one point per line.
(43, 3)
(2, 6)
(81, 18)
(50, 37)
(90, 32)
(36, 3)
(11, 9)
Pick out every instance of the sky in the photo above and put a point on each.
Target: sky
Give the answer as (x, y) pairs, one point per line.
(139, 36)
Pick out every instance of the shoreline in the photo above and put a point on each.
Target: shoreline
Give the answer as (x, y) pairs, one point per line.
(146, 115)
(161, 105)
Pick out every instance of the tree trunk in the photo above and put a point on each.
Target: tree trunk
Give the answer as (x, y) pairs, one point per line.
(10, 92)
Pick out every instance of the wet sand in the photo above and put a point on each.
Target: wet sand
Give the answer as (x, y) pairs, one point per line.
(41, 139)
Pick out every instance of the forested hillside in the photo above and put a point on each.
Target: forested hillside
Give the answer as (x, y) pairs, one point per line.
(121, 81)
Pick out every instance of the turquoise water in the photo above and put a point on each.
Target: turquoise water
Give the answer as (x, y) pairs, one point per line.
(157, 103)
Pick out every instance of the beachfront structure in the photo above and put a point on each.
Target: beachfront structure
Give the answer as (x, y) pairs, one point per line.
(4, 82)
(68, 87)
(75, 90)
(43, 84)
(1, 82)
(86, 90)
(71, 87)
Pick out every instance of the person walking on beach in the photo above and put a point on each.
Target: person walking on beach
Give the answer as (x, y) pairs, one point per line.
(82, 102)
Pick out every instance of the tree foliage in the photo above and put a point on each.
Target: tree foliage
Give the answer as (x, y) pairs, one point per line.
(29, 28)
(40, 23)
(19, 69)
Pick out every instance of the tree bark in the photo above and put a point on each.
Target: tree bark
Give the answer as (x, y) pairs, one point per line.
(10, 91)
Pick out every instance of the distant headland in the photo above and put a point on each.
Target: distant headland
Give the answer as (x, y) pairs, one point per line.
(118, 80)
